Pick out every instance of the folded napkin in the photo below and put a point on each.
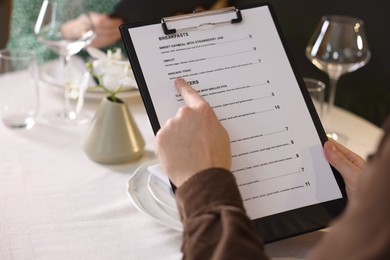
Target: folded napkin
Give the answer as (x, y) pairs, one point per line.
(158, 171)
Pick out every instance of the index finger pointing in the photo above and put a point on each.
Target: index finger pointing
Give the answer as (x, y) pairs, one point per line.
(190, 96)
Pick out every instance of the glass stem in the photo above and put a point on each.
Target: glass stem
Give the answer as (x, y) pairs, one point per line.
(64, 68)
(332, 93)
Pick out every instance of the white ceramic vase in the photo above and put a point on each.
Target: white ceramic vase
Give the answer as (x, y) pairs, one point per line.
(113, 136)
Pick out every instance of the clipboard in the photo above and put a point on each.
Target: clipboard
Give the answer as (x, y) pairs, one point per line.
(276, 103)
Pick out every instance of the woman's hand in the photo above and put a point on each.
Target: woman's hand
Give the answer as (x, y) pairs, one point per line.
(193, 140)
(106, 29)
(346, 162)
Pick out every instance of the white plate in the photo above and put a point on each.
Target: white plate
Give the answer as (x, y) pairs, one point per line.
(162, 193)
(143, 200)
(49, 76)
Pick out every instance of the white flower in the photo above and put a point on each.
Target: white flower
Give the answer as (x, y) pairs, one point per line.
(114, 70)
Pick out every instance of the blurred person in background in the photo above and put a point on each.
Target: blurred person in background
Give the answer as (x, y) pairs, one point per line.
(106, 17)
(24, 15)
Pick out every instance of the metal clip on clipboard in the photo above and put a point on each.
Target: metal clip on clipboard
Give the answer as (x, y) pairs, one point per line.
(166, 20)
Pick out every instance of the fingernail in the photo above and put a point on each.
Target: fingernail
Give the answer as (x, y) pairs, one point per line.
(334, 149)
(180, 81)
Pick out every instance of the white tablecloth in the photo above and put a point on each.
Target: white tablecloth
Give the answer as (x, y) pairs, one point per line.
(55, 203)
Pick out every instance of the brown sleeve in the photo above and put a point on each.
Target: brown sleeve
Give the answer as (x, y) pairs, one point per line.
(215, 223)
(363, 231)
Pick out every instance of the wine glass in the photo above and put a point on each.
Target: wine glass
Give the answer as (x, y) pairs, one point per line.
(66, 28)
(338, 46)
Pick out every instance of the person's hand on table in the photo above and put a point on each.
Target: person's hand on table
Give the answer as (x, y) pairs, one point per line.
(106, 29)
(346, 162)
(193, 140)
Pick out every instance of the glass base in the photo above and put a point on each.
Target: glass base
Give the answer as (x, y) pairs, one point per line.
(19, 121)
(67, 118)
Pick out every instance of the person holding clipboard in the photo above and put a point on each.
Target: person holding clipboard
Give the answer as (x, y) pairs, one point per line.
(193, 149)
(243, 144)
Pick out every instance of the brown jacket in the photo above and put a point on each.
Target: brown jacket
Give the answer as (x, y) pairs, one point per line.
(217, 227)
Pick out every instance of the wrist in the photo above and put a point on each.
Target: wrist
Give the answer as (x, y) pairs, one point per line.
(214, 186)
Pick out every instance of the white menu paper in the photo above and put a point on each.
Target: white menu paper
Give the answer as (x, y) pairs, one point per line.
(243, 72)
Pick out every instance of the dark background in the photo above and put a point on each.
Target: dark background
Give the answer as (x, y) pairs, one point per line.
(365, 92)
(5, 9)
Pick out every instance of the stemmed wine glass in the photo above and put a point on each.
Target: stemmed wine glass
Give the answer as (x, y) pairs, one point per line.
(66, 28)
(338, 46)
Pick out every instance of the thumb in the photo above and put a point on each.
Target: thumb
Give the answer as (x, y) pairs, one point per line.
(342, 164)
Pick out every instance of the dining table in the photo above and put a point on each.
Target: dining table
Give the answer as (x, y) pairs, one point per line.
(57, 203)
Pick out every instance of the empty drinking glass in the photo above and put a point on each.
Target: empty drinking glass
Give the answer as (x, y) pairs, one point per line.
(18, 88)
(316, 90)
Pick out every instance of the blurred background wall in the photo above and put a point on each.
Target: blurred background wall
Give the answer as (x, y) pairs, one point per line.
(365, 92)
(5, 8)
